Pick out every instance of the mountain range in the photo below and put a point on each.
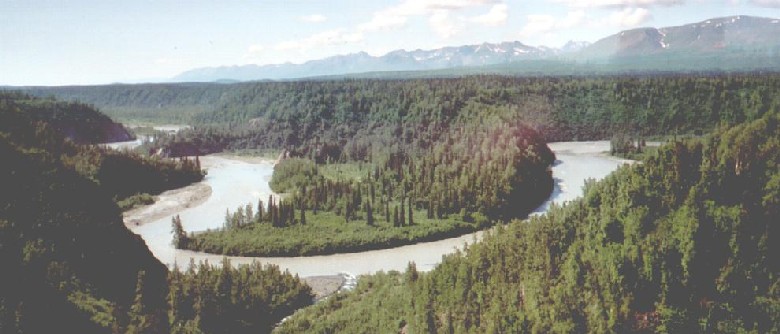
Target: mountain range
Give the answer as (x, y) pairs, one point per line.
(734, 43)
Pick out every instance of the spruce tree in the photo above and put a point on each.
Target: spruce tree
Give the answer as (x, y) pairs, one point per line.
(303, 215)
(402, 216)
(179, 236)
(141, 321)
(369, 214)
(411, 212)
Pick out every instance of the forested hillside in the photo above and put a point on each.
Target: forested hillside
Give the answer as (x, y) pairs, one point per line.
(682, 243)
(50, 126)
(70, 265)
(77, 121)
(65, 251)
(289, 114)
(428, 168)
(434, 186)
(410, 135)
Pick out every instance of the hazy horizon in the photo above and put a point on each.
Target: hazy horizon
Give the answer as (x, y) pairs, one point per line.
(101, 42)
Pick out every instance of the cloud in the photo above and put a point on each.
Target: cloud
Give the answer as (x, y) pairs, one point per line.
(538, 24)
(497, 16)
(313, 18)
(441, 23)
(540, 27)
(620, 3)
(543, 24)
(437, 11)
(382, 22)
(630, 17)
(766, 3)
(438, 14)
(326, 38)
(254, 52)
(167, 61)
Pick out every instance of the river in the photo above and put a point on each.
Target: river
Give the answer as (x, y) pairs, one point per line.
(235, 182)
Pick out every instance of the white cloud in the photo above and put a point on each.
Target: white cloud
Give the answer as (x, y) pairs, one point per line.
(437, 11)
(543, 27)
(254, 52)
(167, 61)
(766, 3)
(381, 22)
(441, 23)
(313, 18)
(256, 49)
(620, 3)
(497, 16)
(326, 38)
(538, 24)
(630, 17)
(543, 24)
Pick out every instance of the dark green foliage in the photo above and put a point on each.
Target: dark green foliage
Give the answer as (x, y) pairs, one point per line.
(31, 124)
(144, 319)
(327, 118)
(180, 238)
(323, 233)
(124, 174)
(682, 243)
(134, 201)
(249, 299)
(70, 265)
(290, 174)
(347, 312)
(76, 121)
(62, 237)
(480, 172)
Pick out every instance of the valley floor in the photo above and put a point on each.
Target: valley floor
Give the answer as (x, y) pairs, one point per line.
(577, 162)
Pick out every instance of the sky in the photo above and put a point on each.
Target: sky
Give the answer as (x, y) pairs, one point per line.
(80, 42)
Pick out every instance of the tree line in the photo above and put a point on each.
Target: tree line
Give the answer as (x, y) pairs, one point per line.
(38, 124)
(477, 171)
(70, 265)
(680, 243)
(332, 113)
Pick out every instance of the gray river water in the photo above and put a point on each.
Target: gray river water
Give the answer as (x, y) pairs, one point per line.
(236, 182)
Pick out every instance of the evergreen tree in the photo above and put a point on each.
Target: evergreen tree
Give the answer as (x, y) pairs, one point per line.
(411, 212)
(402, 215)
(142, 320)
(180, 239)
(369, 214)
(260, 213)
(303, 215)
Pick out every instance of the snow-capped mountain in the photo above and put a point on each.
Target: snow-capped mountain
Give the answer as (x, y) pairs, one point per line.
(731, 38)
(718, 35)
(399, 60)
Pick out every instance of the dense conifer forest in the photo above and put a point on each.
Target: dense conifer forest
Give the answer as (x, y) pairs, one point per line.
(466, 176)
(303, 113)
(79, 122)
(69, 263)
(54, 127)
(681, 243)
(440, 150)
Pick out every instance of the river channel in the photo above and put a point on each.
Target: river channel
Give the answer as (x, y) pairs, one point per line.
(235, 181)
